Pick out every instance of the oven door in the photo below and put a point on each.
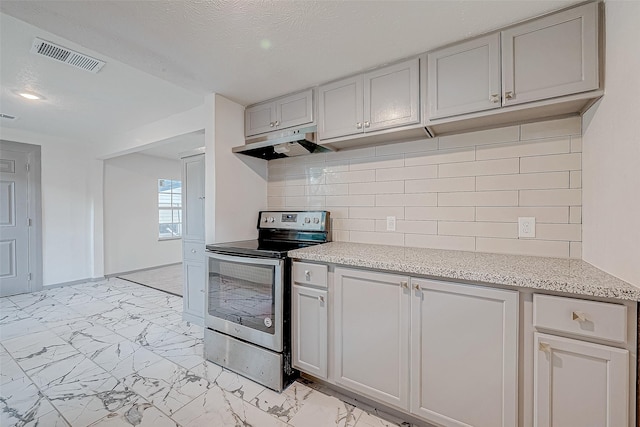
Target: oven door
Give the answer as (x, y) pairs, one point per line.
(245, 298)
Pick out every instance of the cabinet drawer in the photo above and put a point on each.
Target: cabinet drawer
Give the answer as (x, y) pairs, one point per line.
(193, 250)
(581, 317)
(310, 274)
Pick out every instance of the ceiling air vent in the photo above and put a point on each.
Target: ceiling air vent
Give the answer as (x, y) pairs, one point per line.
(7, 116)
(68, 56)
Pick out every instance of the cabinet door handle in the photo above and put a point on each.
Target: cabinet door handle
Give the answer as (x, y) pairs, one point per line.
(416, 287)
(579, 316)
(544, 346)
(201, 197)
(494, 98)
(508, 94)
(404, 285)
(358, 125)
(307, 274)
(272, 124)
(367, 124)
(321, 298)
(193, 251)
(277, 123)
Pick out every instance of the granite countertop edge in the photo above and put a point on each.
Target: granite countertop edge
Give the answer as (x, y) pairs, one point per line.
(571, 276)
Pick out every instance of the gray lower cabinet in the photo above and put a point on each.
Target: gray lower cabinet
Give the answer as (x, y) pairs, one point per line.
(464, 354)
(385, 98)
(193, 235)
(371, 337)
(309, 318)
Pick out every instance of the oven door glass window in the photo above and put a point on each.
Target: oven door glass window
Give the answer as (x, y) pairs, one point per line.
(243, 293)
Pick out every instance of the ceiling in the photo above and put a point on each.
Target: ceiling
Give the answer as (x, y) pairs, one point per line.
(164, 56)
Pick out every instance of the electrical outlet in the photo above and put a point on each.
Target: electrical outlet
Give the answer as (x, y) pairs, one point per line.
(391, 223)
(527, 227)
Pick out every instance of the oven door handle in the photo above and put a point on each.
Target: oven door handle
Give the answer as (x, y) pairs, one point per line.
(245, 259)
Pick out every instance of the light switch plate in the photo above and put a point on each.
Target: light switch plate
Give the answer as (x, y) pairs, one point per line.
(527, 226)
(391, 223)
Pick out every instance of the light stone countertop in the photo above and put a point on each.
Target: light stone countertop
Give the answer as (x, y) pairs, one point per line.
(552, 274)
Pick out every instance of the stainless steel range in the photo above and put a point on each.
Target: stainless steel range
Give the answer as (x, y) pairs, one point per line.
(248, 306)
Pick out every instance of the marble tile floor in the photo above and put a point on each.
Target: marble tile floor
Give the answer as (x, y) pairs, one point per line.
(115, 353)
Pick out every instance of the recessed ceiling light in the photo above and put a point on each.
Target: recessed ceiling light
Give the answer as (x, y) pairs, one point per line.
(29, 95)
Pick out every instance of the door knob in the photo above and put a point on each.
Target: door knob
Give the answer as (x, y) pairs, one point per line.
(494, 98)
(320, 298)
(579, 316)
(367, 124)
(546, 347)
(358, 125)
(404, 285)
(307, 274)
(508, 95)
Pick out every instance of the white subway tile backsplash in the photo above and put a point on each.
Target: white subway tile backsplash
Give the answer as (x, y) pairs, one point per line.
(408, 147)
(528, 181)
(491, 136)
(440, 213)
(575, 179)
(479, 229)
(462, 192)
(386, 187)
(554, 215)
(557, 162)
(352, 200)
(571, 232)
(378, 212)
(440, 185)
(551, 128)
(382, 162)
(349, 177)
(354, 224)
(523, 149)
(479, 198)
(409, 172)
(457, 243)
(375, 238)
(418, 199)
(481, 167)
(440, 157)
(575, 215)
(569, 197)
(523, 247)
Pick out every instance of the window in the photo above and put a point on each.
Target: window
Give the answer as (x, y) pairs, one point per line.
(169, 209)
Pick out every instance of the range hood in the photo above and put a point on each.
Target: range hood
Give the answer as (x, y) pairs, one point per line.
(288, 143)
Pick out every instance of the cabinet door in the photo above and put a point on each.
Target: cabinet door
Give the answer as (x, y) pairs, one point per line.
(194, 294)
(310, 330)
(260, 118)
(552, 56)
(193, 198)
(294, 110)
(340, 108)
(371, 322)
(464, 78)
(578, 383)
(464, 357)
(392, 96)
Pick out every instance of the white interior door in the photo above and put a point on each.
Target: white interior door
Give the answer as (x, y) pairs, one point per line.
(14, 227)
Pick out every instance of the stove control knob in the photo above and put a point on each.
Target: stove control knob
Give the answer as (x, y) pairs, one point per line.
(271, 219)
(307, 220)
(316, 220)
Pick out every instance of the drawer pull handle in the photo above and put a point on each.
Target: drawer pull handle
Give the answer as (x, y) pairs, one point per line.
(546, 347)
(579, 316)
(307, 274)
(321, 299)
(404, 285)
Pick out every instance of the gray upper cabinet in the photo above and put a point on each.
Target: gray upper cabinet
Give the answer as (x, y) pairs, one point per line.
(464, 78)
(549, 57)
(281, 113)
(381, 99)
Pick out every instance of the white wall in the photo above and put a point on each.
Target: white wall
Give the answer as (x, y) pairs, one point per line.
(131, 213)
(71, 207)
(236, 185)
(611, 162)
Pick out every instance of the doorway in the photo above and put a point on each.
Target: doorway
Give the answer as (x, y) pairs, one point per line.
(20, 218)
